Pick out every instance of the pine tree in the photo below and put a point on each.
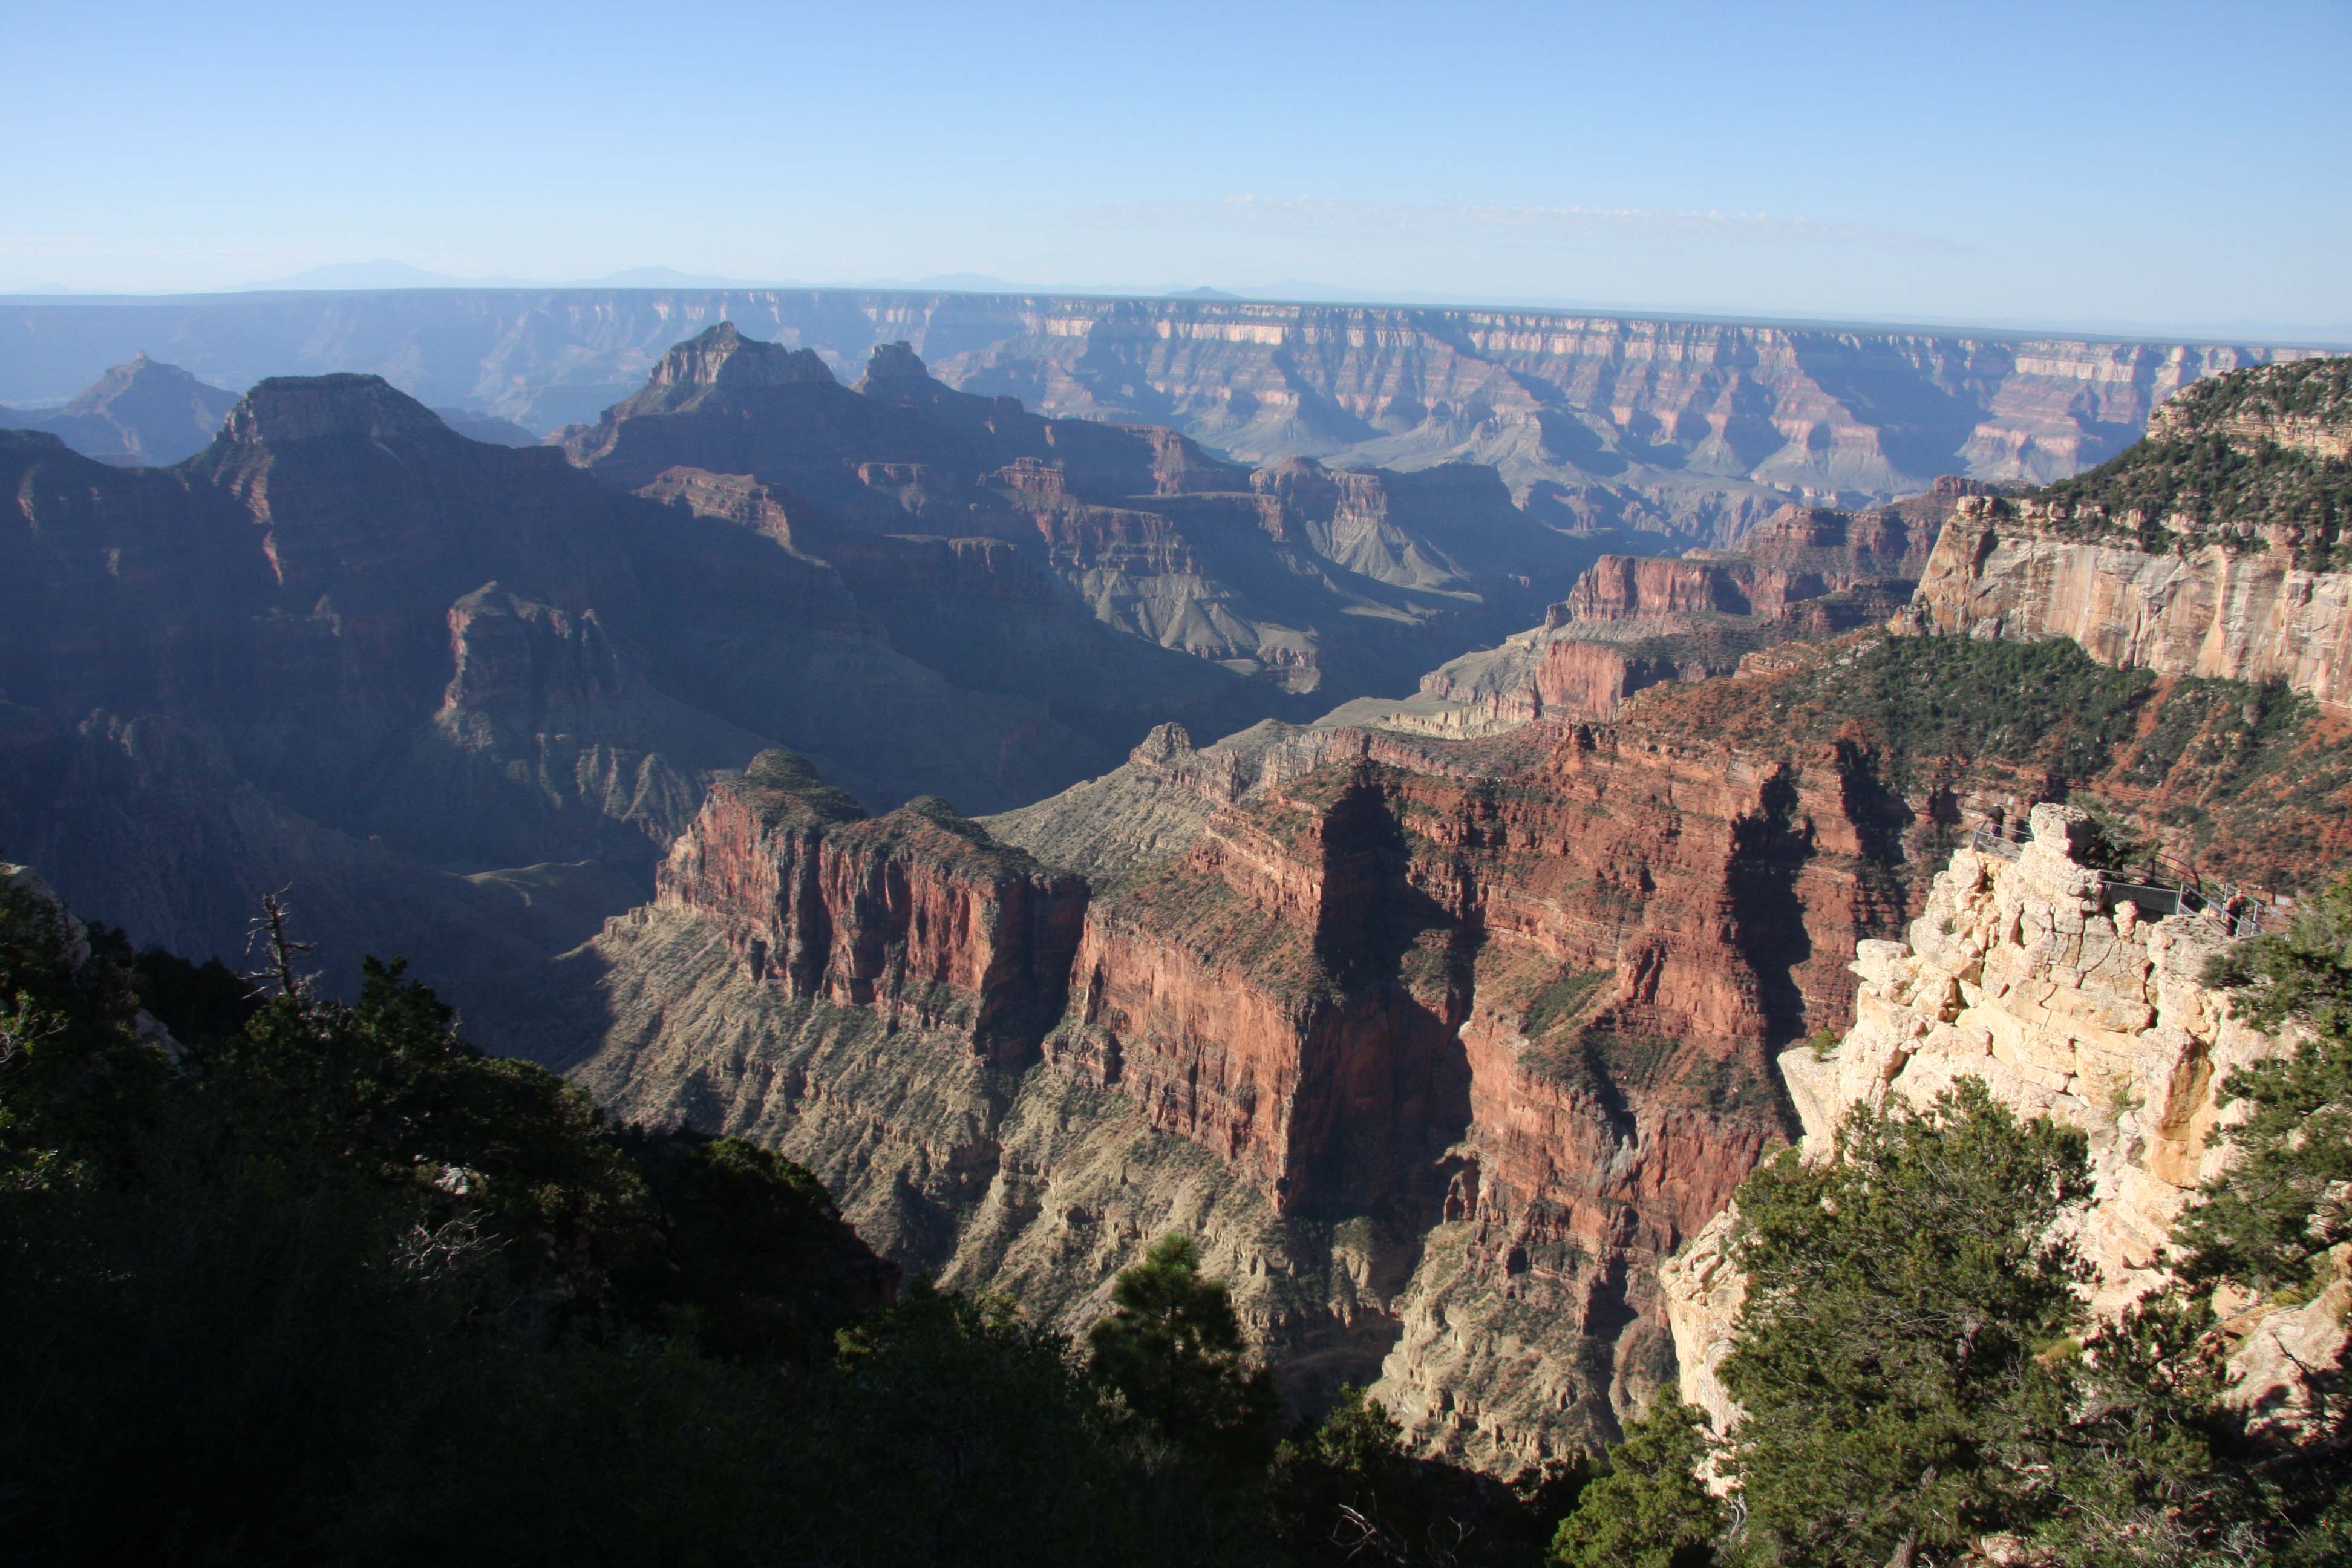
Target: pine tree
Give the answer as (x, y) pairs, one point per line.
(1174, 1348)
(2285, 1201)
(1900, 1359)
(1651, 1510)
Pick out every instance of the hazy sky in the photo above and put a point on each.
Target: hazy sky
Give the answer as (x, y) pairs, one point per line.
(2154, 164)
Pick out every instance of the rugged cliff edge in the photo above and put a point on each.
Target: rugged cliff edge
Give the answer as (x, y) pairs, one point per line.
(2213, 548)
(2045, 979)
(1440, 1048)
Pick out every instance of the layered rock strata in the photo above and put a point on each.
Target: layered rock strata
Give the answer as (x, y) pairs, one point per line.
(2245, 614)
(1699, 427)
(916, 915)
(1308, 578)
(1633, 622)
(1471, 1038)
(346, 648)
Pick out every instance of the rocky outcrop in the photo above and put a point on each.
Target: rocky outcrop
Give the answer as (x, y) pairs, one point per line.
(1633, 622)
(473, 662)
(1481, 1032)
(2304, 407)
(1794, 555)
(1301, 578)
(2213, 548)
(138, 412)
(1627, 588)
(918, 915)
(2022, 573)
(2071, 995)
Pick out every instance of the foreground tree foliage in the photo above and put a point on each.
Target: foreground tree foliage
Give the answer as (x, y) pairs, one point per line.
(1650, 1509)
(1917, 1373)
(309, 1282)
(1173, 1346)
(286, 1280)
(2286, 1202)
(1901, 1354)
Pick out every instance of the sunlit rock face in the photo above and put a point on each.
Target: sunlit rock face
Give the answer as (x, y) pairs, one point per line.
(2045, 979)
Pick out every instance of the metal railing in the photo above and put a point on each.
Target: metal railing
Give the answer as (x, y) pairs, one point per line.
(2158, 884)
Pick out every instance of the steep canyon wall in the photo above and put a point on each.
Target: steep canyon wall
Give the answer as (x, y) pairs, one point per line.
(2244, 611)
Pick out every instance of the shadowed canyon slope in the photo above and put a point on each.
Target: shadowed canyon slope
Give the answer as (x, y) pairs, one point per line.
(1306, 1034)
(138, 412)
(1441, 1019)
(1444, 1044)
(1699, 427)
(344, 646)
(1326, 582)
(348, 648)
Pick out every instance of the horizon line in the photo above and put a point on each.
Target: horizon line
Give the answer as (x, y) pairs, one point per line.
(2283, 336)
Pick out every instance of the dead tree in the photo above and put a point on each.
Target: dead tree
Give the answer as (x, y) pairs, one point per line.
(269, 932)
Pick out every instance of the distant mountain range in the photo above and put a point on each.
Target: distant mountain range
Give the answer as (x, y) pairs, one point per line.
(386, 274)
(1695, 428)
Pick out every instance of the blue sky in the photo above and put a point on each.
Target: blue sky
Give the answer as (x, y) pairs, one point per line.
(2119, 166)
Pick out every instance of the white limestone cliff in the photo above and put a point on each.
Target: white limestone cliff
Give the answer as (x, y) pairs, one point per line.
(2246, 613)
(2027, 969)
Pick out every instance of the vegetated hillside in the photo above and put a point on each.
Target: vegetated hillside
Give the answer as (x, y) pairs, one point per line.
(2280, 398)
(296, 1282)
(1698, 427)
(2252, 783)
(2225, 462)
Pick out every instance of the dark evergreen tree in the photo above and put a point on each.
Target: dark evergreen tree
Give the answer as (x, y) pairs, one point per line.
(2270, 1221)
(1174, 1348)
(1900, 1358)
(1650, 1509)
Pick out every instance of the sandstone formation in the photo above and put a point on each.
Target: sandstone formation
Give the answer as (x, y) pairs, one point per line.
(2211, 549)
(385, 654)
(1701, 428)
(1468, 1038)
(1632, 622)
(2050, 981)
(916, 915)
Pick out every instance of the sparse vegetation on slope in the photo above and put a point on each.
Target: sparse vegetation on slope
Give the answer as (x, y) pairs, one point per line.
(2225, 452)
(2252, 782)
(2183, 493)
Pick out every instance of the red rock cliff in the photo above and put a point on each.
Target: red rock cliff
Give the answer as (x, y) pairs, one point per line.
(916, 915)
